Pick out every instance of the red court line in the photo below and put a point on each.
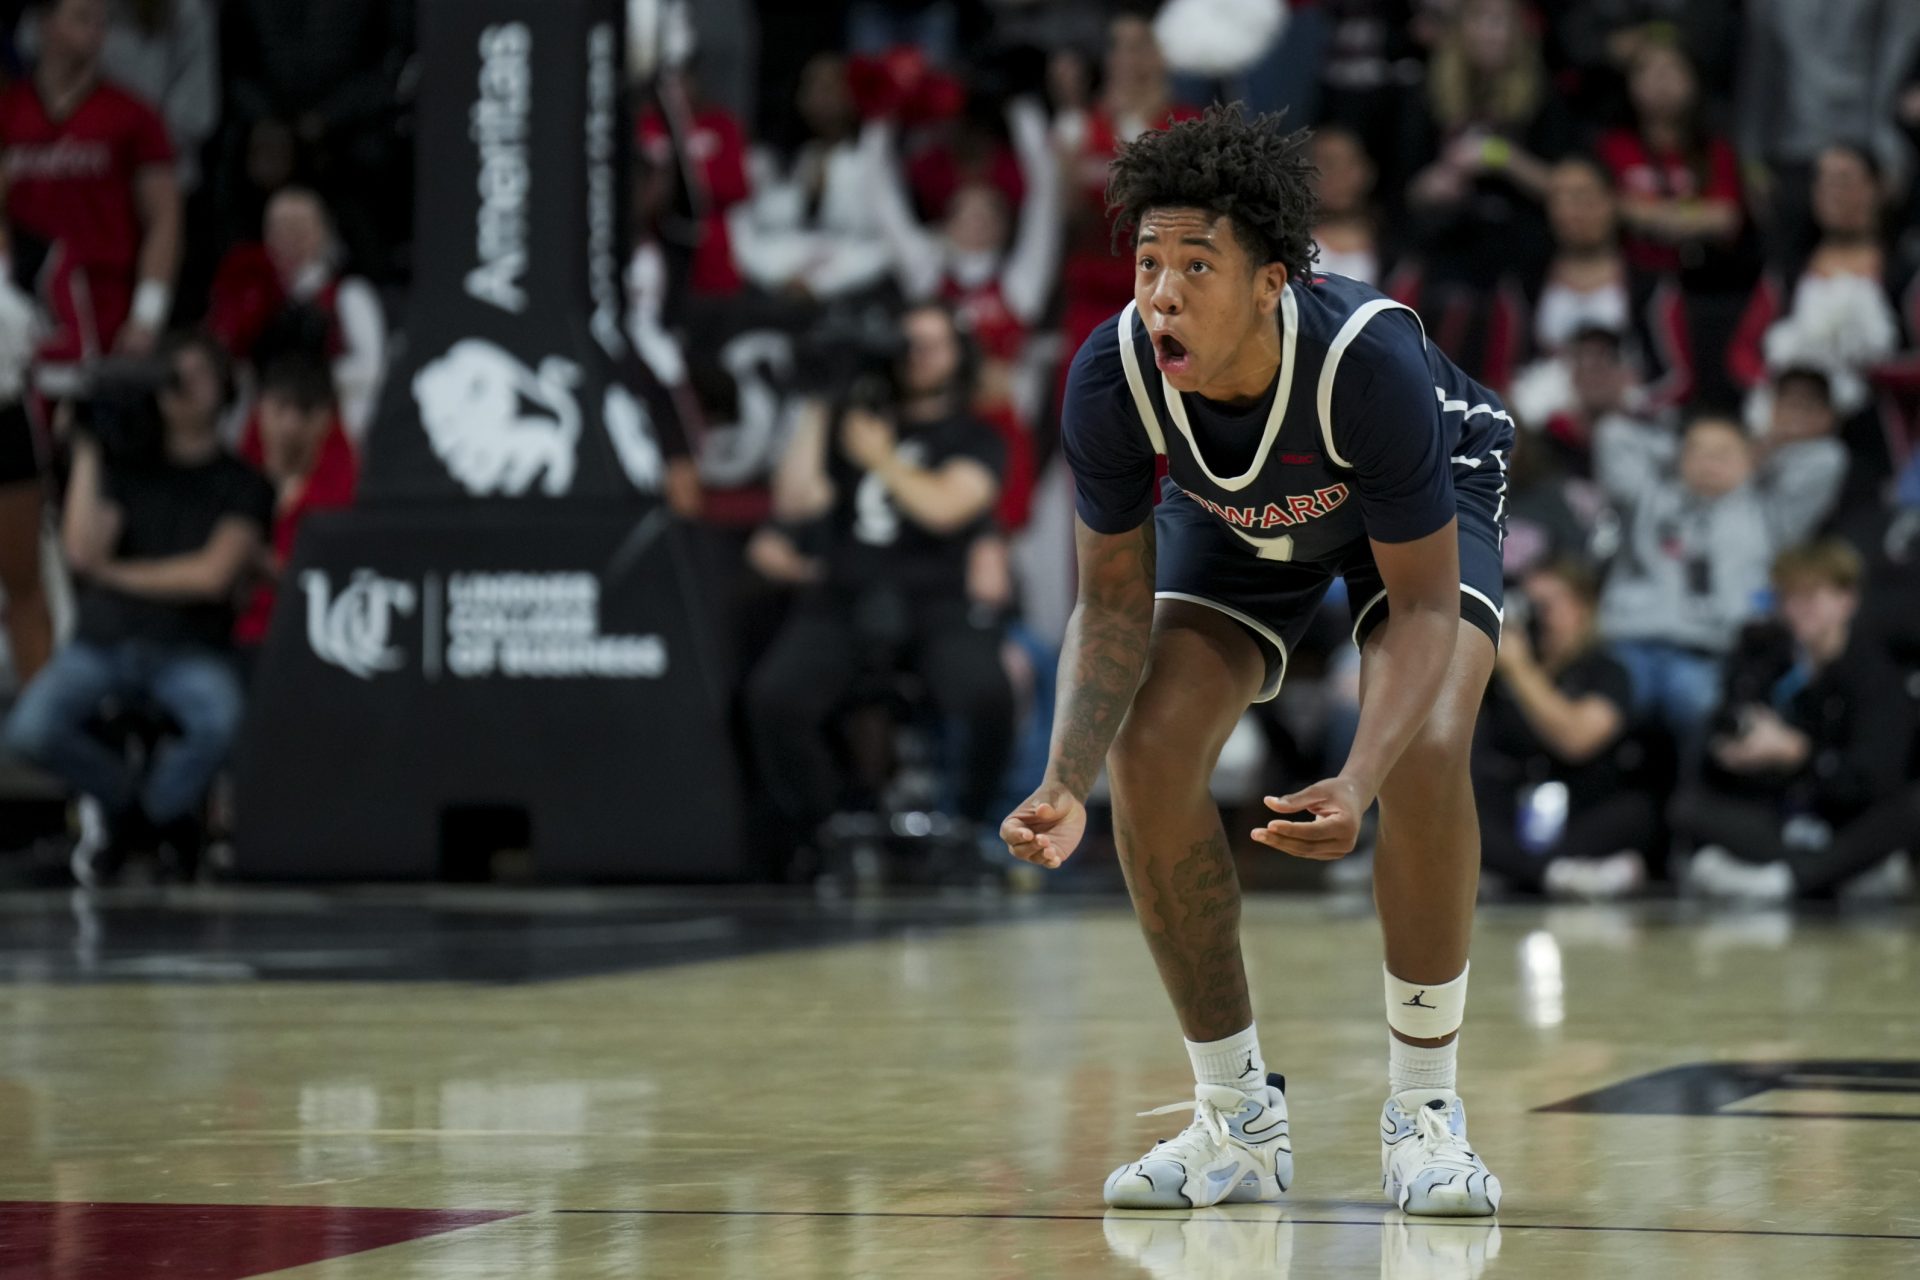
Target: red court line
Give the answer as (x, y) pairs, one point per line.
(51, 1240)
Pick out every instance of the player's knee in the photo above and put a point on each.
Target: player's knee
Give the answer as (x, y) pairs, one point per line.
(1434, 768)
(1158, 746)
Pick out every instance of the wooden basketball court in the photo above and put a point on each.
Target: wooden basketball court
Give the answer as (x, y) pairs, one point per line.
(380, 1085)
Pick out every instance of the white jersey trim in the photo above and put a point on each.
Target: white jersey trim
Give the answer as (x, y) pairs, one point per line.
(1177, 409)
(1465, 590)
(1270, 688)
(1130, 361)
(1341, 341)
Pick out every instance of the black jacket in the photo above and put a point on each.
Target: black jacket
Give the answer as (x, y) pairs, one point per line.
(1856, 711)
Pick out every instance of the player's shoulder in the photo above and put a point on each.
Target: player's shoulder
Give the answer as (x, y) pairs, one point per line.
(1361, 328)
(1101, 349)
(1098, 371)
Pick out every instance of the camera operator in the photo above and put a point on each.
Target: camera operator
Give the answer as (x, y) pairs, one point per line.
(901, 495)
(161, 526)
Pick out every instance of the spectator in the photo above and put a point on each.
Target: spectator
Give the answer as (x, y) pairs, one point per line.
(1587, 285)
(160, 539)
(1553, 750)
(167, 54)
(1371, 78)
(997, 274)
(1475, 221)
(998, 280)
(1810, 787)
(313, 91)
(810, 229)
(716, 153)
(1679, 183)
(903, 500)
(1834, 307)
(1590, 287)
(1552, 513)
(1604, 38)
(92, 198)
(1600, 385)
(23, 597)
(1811, 73)
(1135, 96)
(1696, 545)
(289, 295)
(1348, 233)
(298, 444)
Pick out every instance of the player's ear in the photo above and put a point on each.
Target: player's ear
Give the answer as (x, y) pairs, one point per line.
(1268, 282)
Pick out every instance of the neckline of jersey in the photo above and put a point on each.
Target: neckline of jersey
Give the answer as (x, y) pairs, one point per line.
(1282, 392)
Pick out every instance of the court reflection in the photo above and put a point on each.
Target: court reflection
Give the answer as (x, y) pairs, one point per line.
(1242, 1242)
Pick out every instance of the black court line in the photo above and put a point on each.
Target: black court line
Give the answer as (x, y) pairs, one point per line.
(1298, 1222)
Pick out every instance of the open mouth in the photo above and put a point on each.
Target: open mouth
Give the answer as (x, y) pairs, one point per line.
(1171, 354)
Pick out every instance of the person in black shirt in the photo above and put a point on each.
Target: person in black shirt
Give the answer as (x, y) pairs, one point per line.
(1547, 758)
(1808, 785)
(900, 504)
(160, 540)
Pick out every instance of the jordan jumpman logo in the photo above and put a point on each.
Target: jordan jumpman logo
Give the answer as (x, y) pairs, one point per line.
(1415, 1003)
(1249, 1067)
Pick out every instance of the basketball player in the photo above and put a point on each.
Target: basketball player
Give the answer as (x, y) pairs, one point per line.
(1309, 431)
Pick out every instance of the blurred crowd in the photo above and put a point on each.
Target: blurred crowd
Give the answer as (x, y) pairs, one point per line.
(1681, 237)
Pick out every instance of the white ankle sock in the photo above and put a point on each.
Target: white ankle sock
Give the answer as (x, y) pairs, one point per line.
(1233, 1061)
(1413, 1066)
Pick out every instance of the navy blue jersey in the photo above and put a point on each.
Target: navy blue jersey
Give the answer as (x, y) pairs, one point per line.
(1361, 435)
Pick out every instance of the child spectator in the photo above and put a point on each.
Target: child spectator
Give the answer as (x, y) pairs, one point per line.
(1702, 519)
(1808, 787)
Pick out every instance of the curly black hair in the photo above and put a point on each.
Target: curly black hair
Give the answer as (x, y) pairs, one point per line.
(1251, 170)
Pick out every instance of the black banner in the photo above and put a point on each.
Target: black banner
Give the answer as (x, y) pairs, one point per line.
(516, 379)
(538, 661)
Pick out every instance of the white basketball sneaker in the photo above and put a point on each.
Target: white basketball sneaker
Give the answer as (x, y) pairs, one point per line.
(1426, 1165)
(1236, 1150)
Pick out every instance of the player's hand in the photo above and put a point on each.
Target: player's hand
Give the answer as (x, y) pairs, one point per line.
(1336, 806)
(1046, 828)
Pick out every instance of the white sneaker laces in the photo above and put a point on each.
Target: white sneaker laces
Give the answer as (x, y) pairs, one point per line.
(1440, 1144)
(1211, 1105)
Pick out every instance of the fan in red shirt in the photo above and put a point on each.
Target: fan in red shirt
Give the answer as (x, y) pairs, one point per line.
(716, 156)
(90, 181)
(297, 442)
(1679, 185)
(1095, 281)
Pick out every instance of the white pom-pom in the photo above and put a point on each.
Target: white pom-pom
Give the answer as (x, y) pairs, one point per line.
(1218, 37)
(1539, 391)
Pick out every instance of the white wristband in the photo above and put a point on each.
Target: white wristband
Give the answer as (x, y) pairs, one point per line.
(152, 302)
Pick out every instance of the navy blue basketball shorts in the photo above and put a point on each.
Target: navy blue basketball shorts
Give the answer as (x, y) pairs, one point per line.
(1202, 563)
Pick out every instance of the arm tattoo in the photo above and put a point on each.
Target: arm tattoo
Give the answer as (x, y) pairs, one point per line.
(1104, 652)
